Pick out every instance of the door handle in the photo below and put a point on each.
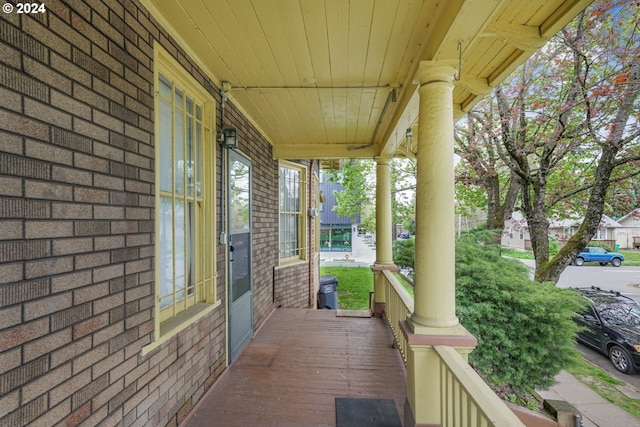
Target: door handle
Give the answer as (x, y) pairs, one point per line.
(231, 249)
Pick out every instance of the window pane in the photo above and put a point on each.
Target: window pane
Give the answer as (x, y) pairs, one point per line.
(165, 86)
(179, 152)
(296, 192)
(190, 161)
(189, 105)
(179, 256)
(199, 159)
(283, 189)
(191, 247)
(165, 244)
(239, 194)
(165, 149)
(179, 100)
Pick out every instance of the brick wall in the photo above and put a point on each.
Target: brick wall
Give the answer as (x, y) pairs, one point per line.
(77, 223)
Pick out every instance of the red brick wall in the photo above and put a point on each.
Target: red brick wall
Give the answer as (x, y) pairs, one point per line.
(77, 225)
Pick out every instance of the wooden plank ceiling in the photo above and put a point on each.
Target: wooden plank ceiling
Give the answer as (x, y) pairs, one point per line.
(317, 76)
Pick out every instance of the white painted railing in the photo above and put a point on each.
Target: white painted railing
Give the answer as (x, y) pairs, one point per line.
(398, 304)
(467, 401)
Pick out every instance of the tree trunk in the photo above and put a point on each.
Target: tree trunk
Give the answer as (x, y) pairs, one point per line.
(550, 271)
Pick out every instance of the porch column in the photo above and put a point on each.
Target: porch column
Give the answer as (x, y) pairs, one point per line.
(434, 320)
(384, 252)
(435, 219)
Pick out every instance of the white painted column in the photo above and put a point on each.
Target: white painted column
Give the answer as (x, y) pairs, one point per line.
(384, 250)
(384, 238)
(435, 221)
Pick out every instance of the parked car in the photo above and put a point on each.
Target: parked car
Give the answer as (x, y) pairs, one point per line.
(612, 327)
(593, 254)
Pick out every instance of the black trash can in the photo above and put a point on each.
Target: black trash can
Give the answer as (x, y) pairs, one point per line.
(328, 295)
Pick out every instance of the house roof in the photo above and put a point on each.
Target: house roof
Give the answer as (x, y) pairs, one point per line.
(331, 79)
(606, 222)
(635, 214)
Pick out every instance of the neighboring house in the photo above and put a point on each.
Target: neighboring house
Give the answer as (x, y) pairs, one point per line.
(559, 229)
(516, 232)
(336, 231)
(606, 232)
(628, 235)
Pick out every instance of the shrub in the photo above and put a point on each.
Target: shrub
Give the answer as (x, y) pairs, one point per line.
(525, 329)
(403, 254)
(599, 244)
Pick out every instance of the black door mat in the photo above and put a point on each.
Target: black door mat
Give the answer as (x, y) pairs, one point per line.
(359, 412)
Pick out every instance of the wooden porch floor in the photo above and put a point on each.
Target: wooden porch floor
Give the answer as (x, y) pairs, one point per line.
(295, 367)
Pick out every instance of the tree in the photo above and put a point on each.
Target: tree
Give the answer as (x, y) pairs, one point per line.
(403, 186)
(358, 197)
(359, 190)
(480, 147)
(569, 125)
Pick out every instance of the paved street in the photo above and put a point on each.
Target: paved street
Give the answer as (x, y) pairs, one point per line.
(624, 279)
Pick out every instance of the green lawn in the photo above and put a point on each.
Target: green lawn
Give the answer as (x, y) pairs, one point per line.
(354, 284)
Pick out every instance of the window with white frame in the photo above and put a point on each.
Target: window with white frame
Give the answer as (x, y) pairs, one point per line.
(185, 215)
(292, 207)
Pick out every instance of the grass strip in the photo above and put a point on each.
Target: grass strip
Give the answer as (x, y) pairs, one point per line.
(605, 385)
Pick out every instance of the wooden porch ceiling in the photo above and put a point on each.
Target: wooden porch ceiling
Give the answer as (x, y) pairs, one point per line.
(296, 366)
(317, 76)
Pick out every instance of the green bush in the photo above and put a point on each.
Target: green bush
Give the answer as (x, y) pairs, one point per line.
(599, 244)
(525, 330)
(403, 254)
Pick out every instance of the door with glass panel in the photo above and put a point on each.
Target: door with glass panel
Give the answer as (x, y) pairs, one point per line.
(239, 258)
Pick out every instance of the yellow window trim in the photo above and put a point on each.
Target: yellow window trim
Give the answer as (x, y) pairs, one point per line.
(205, 255)
(291, 263)
(304, 250)
(179, 322)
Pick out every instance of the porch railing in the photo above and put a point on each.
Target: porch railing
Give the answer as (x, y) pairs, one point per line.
(465, 399)
(399, 304)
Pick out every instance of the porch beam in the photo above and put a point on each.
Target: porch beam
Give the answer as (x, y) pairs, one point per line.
(324, 151)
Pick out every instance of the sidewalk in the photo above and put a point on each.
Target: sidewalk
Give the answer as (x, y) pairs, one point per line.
(595, 410)
(361, 255)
